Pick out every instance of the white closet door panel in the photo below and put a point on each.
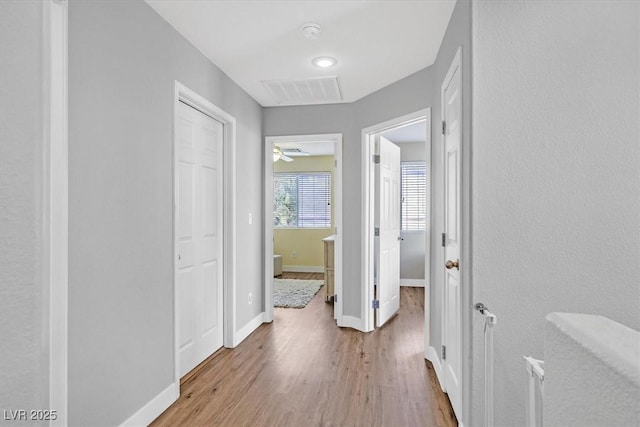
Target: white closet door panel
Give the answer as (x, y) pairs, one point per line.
(199, 230)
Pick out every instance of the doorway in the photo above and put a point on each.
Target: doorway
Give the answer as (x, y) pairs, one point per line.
(204, 150)
(308, 188)
(372, 136)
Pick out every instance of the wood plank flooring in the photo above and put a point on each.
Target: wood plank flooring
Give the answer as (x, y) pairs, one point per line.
(302, 370)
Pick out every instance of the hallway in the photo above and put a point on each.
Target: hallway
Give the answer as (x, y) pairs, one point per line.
(302, 370)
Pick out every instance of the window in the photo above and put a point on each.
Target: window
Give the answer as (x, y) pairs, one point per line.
(302, 200)
(414, 198)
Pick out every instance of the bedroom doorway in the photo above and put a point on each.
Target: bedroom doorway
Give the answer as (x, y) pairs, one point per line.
(303, 218)
(411, 135)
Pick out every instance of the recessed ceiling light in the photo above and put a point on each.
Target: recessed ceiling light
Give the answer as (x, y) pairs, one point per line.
(324, 61)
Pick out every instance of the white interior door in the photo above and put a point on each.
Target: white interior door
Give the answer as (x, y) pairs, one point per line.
(198, 235)
(388, 208)
(452, 316)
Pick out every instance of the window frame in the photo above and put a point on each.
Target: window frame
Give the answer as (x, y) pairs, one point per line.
(423, 164)
(297, 175)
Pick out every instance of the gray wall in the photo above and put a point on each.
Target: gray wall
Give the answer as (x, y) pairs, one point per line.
(403, 97)
(412, 247)
(123, 60)
(24, 356)
(335, 118)
(556, 175)
(412, 151)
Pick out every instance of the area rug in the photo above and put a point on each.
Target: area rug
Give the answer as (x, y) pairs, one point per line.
(294, 293)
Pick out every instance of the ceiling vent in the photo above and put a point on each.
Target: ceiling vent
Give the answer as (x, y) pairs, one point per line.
(317, 90)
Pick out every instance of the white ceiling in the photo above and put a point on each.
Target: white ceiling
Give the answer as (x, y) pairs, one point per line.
(375, 42)
(416, 132)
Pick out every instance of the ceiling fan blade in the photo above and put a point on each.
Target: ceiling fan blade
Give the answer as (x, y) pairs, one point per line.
(286, 159)
(295, 153)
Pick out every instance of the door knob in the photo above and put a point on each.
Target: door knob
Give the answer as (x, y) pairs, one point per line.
(452, 264)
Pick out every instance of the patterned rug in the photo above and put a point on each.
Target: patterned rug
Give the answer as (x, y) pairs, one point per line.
(294, 293)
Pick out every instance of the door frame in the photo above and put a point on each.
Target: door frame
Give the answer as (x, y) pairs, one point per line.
(184, 94)
(55, 203)
(336, 138)
(368, 211)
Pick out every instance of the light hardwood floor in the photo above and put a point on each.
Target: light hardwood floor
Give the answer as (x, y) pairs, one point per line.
(302, 370)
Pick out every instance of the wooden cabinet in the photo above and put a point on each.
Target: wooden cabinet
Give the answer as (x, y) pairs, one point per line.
(328, 268)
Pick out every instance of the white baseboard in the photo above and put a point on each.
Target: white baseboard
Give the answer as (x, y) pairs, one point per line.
(303, 268)
(417, 283)
(432, 356)
(351, 322)
(247, 329)
(149, 412)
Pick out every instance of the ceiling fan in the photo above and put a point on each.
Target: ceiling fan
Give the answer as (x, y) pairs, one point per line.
(286, 154)
(279, 155)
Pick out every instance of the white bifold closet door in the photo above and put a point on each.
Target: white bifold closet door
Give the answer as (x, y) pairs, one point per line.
(199, 140)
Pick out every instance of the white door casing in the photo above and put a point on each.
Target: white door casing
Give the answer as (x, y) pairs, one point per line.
(369, 249)
(388, 208)
(452, 314)
(55, 201)
(199, 241)
(270, 141)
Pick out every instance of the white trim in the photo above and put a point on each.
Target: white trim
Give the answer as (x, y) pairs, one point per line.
(303, 268)
(368, 207)
(432, 356)
(427, 318)
(55, 203)
(367, 274)
(351, 322)
(156, 406)
(336, 138)
(427, 235)
(268, 231)
(338, 247)
(229, 235)
(183, 93)
(456, 63)
(417, 283)
(247, 329)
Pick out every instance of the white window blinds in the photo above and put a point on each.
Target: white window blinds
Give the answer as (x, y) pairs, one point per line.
(414, 198)
(302, 200)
